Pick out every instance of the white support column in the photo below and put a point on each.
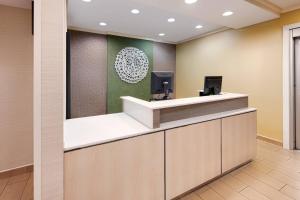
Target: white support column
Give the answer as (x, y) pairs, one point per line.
(49, 77)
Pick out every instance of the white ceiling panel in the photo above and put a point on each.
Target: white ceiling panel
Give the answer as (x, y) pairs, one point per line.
(153, 16)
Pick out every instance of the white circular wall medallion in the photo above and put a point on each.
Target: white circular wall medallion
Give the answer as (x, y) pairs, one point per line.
(131, 65)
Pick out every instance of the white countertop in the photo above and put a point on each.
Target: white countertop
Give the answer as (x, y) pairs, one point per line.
(184, 101)
(89, 131)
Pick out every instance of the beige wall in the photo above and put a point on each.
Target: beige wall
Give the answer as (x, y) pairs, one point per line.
(250, 60)
(16, 65)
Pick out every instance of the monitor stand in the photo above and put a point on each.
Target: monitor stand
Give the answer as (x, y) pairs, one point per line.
(166, 91)
(210, 92)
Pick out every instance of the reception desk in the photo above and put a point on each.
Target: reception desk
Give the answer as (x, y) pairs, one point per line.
(152, 114)
(157, 150)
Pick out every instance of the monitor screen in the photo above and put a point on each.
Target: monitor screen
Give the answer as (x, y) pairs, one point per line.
(212, 85)
(161, 81)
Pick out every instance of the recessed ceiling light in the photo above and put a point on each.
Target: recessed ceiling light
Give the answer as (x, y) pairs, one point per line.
(198, 26)
(190, 1)
(227, 13)
(135, 11)
(103, 24)
(161, 34)
(86, 0)
(171, 20)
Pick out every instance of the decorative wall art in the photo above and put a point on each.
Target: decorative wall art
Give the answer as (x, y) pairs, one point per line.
(131, 65)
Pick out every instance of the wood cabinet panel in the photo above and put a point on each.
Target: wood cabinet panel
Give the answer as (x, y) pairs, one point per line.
(130, 169)
(193, 156)
(238, 140)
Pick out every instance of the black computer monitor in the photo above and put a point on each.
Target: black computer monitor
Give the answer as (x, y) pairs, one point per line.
(162, 83)
(212, 85)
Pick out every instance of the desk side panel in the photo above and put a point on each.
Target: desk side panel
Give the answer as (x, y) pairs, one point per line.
(193, 156)
(238, 140)
(124, 170)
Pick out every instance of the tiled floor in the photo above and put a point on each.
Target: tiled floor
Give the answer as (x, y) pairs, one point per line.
(17, 186)
(274, 175)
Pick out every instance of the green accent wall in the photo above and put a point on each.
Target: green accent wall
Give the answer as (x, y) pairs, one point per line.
(115, 86)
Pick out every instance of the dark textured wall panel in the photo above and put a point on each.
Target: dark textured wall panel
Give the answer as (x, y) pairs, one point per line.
(88, 74)
(164, 57)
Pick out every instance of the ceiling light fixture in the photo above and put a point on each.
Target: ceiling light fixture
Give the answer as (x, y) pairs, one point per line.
(135, 11)
(198, 26)
(103, 24)
(87, 1)
(171, 20)
(161, 34)
(190, 1)
(227, 13)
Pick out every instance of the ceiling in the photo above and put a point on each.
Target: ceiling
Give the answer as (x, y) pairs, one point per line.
(153, 16)
(286, 4)
(17, 3)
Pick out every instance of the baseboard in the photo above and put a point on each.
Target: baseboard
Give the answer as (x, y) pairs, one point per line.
(16, 171)
(270, 140)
